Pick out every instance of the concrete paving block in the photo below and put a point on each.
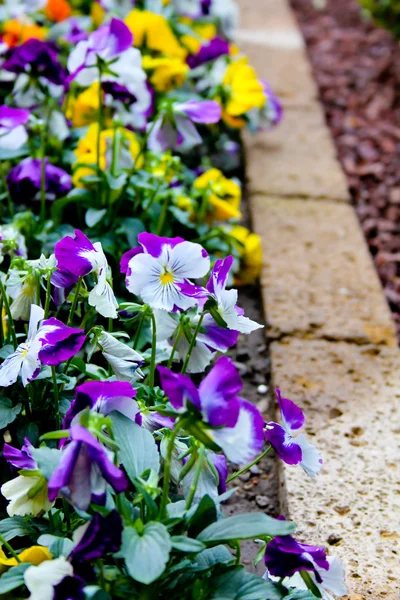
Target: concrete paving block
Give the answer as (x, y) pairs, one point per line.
(297, 158)
(266, 14)
(351, 398)
(318, 279)
(293, 86)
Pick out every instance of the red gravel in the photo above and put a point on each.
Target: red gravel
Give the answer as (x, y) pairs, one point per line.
(357, 68)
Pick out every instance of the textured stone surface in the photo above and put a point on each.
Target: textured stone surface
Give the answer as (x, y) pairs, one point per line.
(266, 14)
(351, 397)
(294, 86)
(296, 159)
(318, 277)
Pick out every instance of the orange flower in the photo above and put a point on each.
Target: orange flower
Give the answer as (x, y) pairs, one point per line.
(14, 32)
(57, 10)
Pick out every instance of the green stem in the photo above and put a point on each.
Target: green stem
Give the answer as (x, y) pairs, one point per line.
(98, 144)
(161, 220)
(9, 199)
(196, 478)
(138, 330)
(177, 338)
(249, 465)
(310, 584)
(153, 197)
(48, 297)
(192, 343)
(8, 311)
(153, 350)
(9, 548)
(43, 175)
(75, 301)
(167, 470)
(67, 517)
(56, 397)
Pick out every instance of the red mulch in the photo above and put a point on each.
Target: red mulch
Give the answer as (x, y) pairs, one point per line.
(357, 67)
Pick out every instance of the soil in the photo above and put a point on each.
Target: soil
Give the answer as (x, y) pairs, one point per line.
(357, 68)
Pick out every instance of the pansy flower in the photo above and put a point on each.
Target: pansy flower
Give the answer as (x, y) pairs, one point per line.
(27, 494)
(285, 558)
(12, 131)
(54, 580)
(103, 397)
(238, 423)
(292, 450)
(101, 535)
(124, 361)
(112, 43)
(175, 127)
(84, 470)
(25, 181)
(36, 59)
(78, 256)
(50, 344)
(210, 50)
(157, 268)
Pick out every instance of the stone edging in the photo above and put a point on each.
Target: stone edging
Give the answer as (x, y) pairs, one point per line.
(333, 342)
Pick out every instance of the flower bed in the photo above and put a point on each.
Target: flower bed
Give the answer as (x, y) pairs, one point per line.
(120, 243)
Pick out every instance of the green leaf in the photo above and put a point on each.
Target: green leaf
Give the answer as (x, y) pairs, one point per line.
(137, 448)
(95, 592)
(300, 595)
(13, 578)
(8, 412)
(12, 527)
(11, 154)
(94, 216)
(6, 350)
(185, 544)
(211, 557)
(202, 515)
(47, 460)
(237, 584)
(146, 554)
(132, 228)
(245, 527)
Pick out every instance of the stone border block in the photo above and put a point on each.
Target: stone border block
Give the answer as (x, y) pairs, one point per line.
(298, 158)
(318, 278)
(351, 398)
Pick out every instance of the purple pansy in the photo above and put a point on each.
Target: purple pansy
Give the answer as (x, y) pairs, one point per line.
(240, 425)
(211, 50)
(155, 273)
(49, 343)
(292, 450)
(103, 534)
(58, 342)
(20, 459)
(37, 59)
(12, 131)
(176, 127)
(219, 462)
(25, 180)
(285, 556)
(103, 397)
(79, 257)
(84, 470)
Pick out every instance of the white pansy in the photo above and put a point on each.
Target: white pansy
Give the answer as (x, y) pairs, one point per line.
(101, 297)
(27, 496)
(123, 360)
(41, 580)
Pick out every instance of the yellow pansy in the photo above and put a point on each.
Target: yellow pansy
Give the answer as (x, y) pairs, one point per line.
(85, 108)
(97, 13)
(250, 254)
(243, 88)
(34, 555)
(154, 32)
(207, 31)
(224, 195)
(16, 32)
(86, 151)
(185, 203)
(168, 72)
(191, 43)
(166, 166)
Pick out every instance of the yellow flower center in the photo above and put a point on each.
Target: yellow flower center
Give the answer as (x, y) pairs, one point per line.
(166, 278)
(24, 353)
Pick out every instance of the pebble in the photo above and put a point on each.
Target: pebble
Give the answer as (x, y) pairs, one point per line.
(255, 470)
(262, 501)
(262, 389)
